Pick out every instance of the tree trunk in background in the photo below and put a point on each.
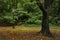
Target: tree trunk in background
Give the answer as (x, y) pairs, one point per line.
(58, 12)
(14, 7)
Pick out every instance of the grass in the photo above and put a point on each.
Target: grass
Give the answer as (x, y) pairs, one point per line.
(27, 33)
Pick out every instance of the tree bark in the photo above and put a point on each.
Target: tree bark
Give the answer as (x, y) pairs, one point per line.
(45, 19)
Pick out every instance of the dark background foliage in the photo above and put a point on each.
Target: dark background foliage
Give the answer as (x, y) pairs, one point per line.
(19, 12)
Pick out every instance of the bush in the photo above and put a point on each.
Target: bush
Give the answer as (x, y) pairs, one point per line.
(6, 20)
(20, 16)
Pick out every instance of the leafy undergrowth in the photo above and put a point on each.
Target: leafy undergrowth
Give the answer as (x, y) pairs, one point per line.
(27, 33)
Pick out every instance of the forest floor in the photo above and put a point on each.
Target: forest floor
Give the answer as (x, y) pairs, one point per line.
(27, 33)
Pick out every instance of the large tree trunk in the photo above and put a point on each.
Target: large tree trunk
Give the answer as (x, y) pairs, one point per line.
(45, 24)
(45, 19)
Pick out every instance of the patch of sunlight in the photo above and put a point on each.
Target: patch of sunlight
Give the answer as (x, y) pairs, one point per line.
(22, 29)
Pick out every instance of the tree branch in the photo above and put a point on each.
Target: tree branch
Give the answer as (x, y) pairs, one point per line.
(40, 6)
(48, 3)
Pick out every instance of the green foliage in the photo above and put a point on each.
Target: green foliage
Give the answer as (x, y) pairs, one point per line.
(3, 7)
(20, 16)
(26, 12)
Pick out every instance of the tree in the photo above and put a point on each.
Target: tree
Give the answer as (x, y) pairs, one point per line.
(14, 7)
(45, 19)
(58, 19)
(3, 7)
